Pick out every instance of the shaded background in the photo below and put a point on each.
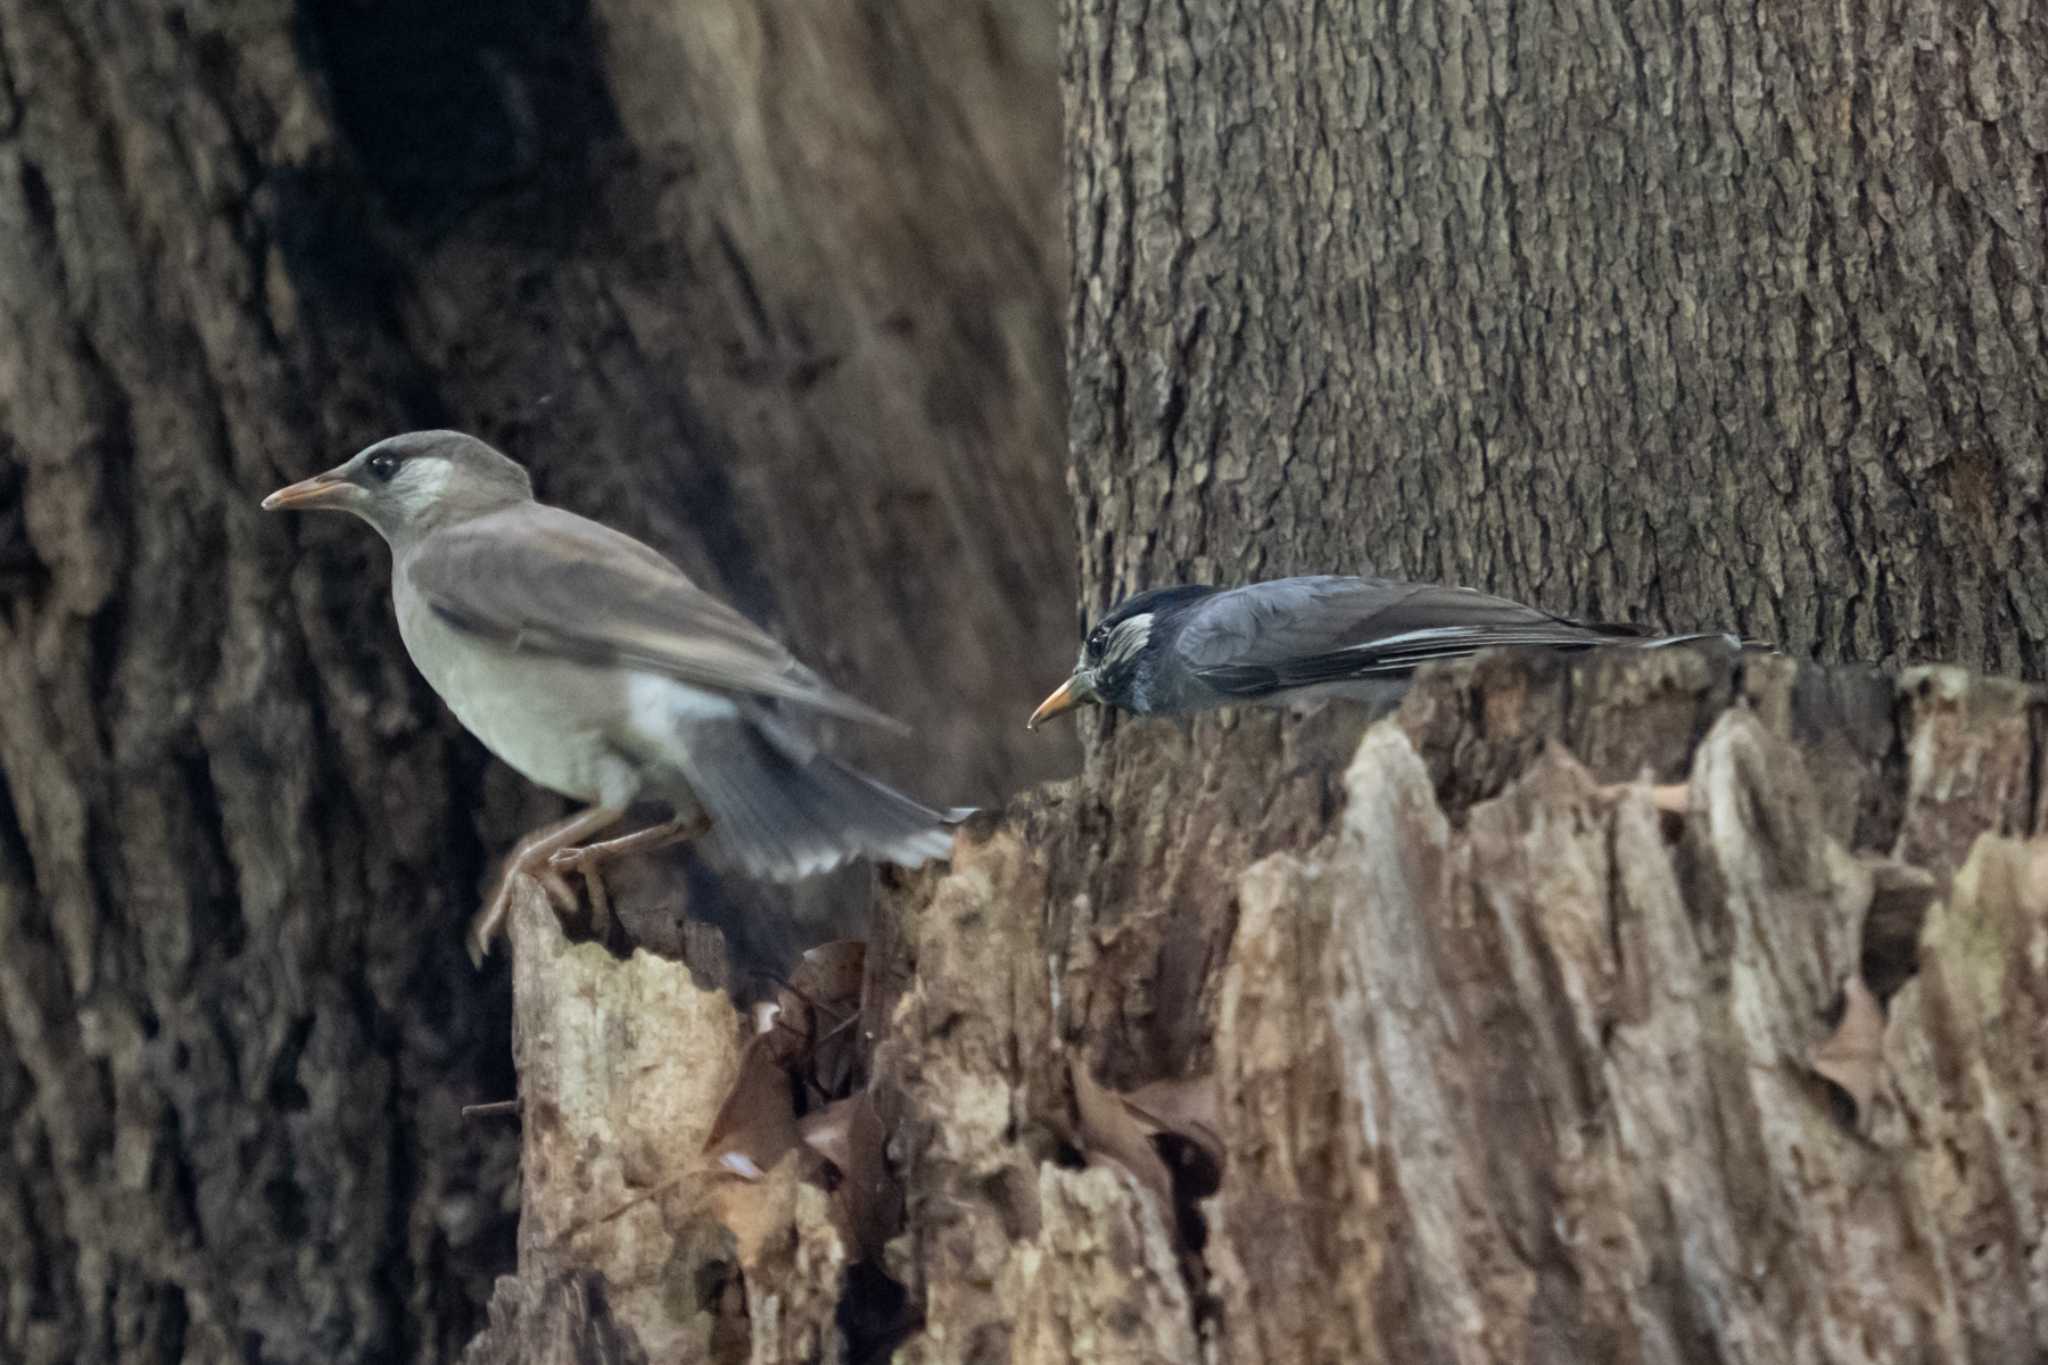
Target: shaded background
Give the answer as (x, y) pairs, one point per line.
(774, 286)
(1704, 314)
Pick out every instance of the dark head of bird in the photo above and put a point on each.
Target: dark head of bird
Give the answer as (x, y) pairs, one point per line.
(408, 485)
(1119, 655)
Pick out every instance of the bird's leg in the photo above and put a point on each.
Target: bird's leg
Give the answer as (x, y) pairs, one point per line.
(589, 860)
(590, 856)
(558, 889)
(529, 857)
(600, 903)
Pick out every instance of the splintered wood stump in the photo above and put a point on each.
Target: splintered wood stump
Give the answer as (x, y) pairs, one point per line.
(621, 1066)
(1647, 1007)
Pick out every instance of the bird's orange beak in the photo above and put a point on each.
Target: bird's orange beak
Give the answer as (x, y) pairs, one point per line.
(322, 490)
(1065, 697)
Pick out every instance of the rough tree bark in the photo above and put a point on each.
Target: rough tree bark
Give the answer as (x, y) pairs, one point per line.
(1498, 1051)
(1648, 1008)
(771, 284)
(1699, 312)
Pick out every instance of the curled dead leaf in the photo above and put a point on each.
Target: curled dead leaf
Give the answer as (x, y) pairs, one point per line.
(758, 1213)
(1852, 1058)
(1105, 1127)
(867, 1202)
(757, 1123)
(817, 1034)
(829, 975)
(1183, 1119)
(1188, 1109)
(805, 1045)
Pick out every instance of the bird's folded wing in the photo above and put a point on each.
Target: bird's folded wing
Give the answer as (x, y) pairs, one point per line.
(1299, 632)
(540, 579)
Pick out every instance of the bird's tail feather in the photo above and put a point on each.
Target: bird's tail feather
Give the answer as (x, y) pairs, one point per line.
(1744, 643)
(786, 817)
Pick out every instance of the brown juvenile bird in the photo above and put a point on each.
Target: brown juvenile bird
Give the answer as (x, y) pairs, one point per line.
(595, 668)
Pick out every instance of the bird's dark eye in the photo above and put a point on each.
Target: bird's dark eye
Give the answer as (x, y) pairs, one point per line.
(1097, 638)
(384, 467)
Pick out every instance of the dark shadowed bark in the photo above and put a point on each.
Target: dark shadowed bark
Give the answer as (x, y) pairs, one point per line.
(772, 287)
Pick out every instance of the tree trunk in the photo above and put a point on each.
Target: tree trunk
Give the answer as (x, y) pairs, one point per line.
(769, 285)
(1701, 313)
(1656, 1008)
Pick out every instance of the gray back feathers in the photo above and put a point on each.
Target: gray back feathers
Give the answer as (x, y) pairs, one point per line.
(1265, 640)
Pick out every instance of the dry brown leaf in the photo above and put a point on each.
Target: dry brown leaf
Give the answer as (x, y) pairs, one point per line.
(829, 975)
(759, 1213)
(757, 1123)
(1853, 1056)
(829, 1131)
(1107, 1128)
(817, 1022)
(1188, 1109)
(867, 1201)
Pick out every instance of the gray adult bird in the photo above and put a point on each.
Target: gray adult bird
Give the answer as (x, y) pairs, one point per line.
(597, 669)
(1173, 650)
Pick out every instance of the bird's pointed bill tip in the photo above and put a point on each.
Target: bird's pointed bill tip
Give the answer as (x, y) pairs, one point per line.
(319, 491)
(1065, 697)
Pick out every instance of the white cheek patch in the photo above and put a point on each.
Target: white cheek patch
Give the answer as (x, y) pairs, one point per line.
(1128, 639)
(421, 482)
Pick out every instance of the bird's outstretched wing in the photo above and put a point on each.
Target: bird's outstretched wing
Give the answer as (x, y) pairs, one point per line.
(541, 579)
(1298, 632)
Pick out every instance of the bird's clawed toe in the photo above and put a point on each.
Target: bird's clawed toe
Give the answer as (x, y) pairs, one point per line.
(584, 864)
(533, 857)
(571, 860)
(560, 894)
(488, 921)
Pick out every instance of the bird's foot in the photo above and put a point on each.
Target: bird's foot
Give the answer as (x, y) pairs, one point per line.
(560, 894)
(556, 876)
(588, 860)
(491, 919)
(530, 858)
(582, 861)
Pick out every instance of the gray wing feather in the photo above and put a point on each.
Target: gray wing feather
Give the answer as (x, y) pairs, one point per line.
(786, 816)
(542, 579)
(1296, 632)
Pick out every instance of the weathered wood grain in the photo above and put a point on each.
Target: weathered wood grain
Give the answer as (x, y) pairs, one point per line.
(1550, 1065)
